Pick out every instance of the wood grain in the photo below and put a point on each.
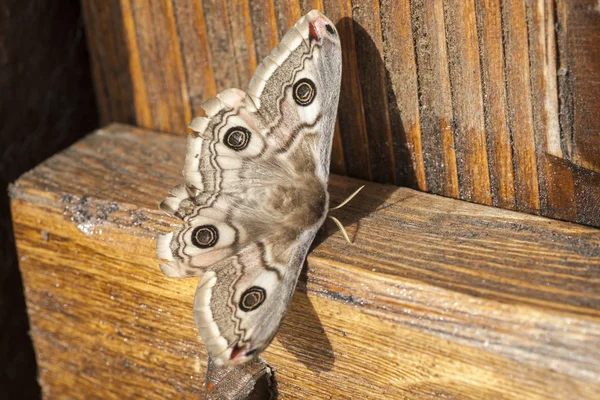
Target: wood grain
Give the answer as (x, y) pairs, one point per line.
(435, 98)
(369, 37)
(583, 48)
(198, 67)
(489, 26)
(467, 99)
(351, 117)
(401, 70)
(519, 106)
(436, 298)
(109, 53)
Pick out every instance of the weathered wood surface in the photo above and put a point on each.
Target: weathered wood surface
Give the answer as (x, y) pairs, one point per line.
(436, 298)
(579, 73)
(458, 98)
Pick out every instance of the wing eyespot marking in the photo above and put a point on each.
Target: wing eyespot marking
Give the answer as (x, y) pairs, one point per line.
(252, 298)
(205, 236)
(237, 138)
(304, 92)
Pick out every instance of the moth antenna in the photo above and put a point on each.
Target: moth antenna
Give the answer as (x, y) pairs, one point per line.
(339, 224)
(348, 199)
(342, 204)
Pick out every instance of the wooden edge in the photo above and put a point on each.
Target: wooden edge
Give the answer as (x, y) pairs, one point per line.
(520, 290)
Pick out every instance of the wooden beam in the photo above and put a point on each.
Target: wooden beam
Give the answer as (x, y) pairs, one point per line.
(437, 297)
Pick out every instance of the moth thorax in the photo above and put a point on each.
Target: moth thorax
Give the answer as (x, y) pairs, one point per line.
(301, 204)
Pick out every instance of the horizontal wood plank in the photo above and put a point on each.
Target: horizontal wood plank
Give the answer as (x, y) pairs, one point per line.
(437, 297)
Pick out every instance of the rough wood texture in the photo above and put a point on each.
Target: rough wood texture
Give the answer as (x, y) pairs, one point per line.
(436, 298)
(581, 69)
(458, 98)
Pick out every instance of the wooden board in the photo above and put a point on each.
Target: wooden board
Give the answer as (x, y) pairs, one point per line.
(457, 98)
(436, 298)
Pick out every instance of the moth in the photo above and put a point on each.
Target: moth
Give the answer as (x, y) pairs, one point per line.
(255, 191)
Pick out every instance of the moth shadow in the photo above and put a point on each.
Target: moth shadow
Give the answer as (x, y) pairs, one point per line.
(304, 335)
(383, 104)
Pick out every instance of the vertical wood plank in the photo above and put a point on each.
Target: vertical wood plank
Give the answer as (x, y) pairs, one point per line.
(542, 50)
(558, 197)
(162, 71)
(565, 77)
(489, 26)
(140, 98)
(242, 41)
(584, 49)
(195, 50)
(351, 116)
(287, 13)
(520, 105)
(584, 52)
(403, 93)
(219, 32)
(111, 55)
(587, 196)
(368, 38)
(465, 84)
(308, 5)
(557, 187)
(338, 164)
(435, 98)
(174, 72)
(264, 27)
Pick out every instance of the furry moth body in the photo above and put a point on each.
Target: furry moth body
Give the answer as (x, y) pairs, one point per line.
(255, 191)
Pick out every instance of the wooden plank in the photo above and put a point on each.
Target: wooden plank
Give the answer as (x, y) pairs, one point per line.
(160, 82)
(435, 99)
(403, 93)
(489, 26)
(520, 105)
(243, 41)
(467, 102)
(556, 178)
(222, 47)
(351, 117)
(571, 187)
(288, 12)
(464, 301)
(195, 50)
(368, 39)
(109, 53)
(264, 27)
(544, 74)
(584, 53)
(308, 5)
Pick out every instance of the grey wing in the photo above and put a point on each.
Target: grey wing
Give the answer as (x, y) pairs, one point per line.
(241, 302)
(223, 175)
